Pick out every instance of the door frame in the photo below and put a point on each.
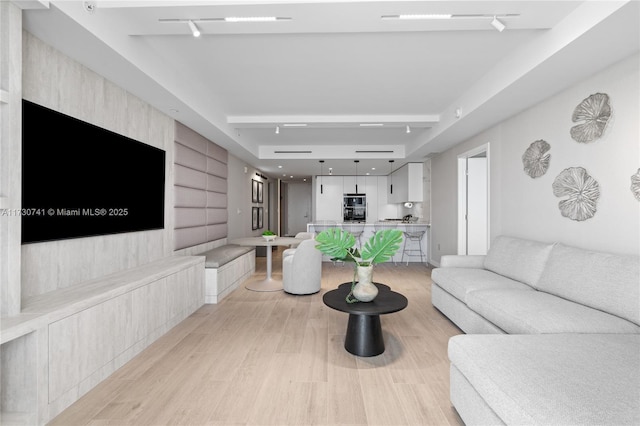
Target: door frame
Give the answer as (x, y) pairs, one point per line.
(462, 195)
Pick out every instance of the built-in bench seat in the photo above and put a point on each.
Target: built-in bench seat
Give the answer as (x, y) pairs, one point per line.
(65, 342)
(226, 267)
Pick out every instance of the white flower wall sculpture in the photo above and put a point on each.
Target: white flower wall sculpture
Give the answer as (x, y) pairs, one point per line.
(593, 113)
(536, 158)
(635, 185)
(582, 192)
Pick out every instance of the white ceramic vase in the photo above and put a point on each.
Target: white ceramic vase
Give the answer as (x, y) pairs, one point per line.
(365, 290)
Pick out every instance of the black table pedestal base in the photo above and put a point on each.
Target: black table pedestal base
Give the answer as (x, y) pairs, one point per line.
(364, 335)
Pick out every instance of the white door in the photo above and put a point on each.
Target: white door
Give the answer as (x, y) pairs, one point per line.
(477, 205)
(298, 207)
(473, 201)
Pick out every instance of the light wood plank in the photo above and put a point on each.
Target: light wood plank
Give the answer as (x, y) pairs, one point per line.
(278, 359)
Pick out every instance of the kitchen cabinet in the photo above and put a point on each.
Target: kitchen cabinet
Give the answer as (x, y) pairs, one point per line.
(371, 190)
(406, 183)
(353, 185)
(329, 201)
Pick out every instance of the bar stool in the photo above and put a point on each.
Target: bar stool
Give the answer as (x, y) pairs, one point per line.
(413, 235)
(323, 225)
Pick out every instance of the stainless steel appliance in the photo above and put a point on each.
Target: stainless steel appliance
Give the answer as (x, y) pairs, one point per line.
(354, 208)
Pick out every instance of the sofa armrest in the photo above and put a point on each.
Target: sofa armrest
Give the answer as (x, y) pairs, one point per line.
(461, 261)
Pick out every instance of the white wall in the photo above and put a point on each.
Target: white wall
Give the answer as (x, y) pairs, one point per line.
(524, 207)
(239, 199)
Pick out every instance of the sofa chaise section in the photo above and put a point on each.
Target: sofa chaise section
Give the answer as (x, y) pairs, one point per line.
(550, 379)
(553, 334)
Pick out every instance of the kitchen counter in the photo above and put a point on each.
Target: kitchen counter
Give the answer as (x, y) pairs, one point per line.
(369, 230)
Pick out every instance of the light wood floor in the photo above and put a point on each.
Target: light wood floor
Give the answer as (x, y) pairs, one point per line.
(278, 359)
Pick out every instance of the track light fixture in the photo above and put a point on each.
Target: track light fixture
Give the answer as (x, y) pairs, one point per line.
(408, 129)
(194, 29)
(277, 130)
(497, 24)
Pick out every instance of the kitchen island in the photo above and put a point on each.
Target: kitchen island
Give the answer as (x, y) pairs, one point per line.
(412, 247)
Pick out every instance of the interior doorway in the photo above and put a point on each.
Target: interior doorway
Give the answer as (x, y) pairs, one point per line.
(295, 205)
(473, 201)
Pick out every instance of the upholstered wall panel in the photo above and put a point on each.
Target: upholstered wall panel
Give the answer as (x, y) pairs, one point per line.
(190, 178)
(189, 197)
(216, 168)
(216, 216)
(190, 217)
(217, 199)
(216, 184)
(190, 158)
(187, 137)
(219, 153)
(187, 237)
(215, 232)
(200, 189)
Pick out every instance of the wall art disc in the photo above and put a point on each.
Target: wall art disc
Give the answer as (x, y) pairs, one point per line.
(536, 158)
(635, 185)
(593, 114)
(582, 192)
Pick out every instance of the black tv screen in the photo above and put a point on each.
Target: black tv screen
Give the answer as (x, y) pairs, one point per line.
(80, 180)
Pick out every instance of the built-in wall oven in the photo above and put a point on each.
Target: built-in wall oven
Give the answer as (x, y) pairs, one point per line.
(354, 208)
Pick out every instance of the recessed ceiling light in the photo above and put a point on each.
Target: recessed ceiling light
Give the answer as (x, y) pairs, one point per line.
(371, 124)
(295, 125)
(279, 167)
(255, 19)
(419, 16)
(436, 16)
(373, 168)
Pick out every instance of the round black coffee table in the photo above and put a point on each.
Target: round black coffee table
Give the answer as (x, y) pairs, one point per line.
(364, 332)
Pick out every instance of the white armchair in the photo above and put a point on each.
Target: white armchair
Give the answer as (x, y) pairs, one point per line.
(303, 235)
(302, 268)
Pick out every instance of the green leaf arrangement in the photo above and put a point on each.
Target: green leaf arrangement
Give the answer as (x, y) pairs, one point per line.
(340, 245)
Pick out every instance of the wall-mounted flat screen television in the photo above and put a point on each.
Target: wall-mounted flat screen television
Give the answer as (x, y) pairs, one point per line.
(80, 180)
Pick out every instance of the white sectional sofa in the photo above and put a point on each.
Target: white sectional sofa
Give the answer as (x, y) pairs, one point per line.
(552, 334)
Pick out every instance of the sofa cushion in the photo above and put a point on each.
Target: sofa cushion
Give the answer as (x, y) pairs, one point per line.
(554, 379)
(536, 312)
(521, 260)
(460, 281)
(603, 281)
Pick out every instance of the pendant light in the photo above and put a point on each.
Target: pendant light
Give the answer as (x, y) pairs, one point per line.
(321, 163)
(391, 174)
(356, 161)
